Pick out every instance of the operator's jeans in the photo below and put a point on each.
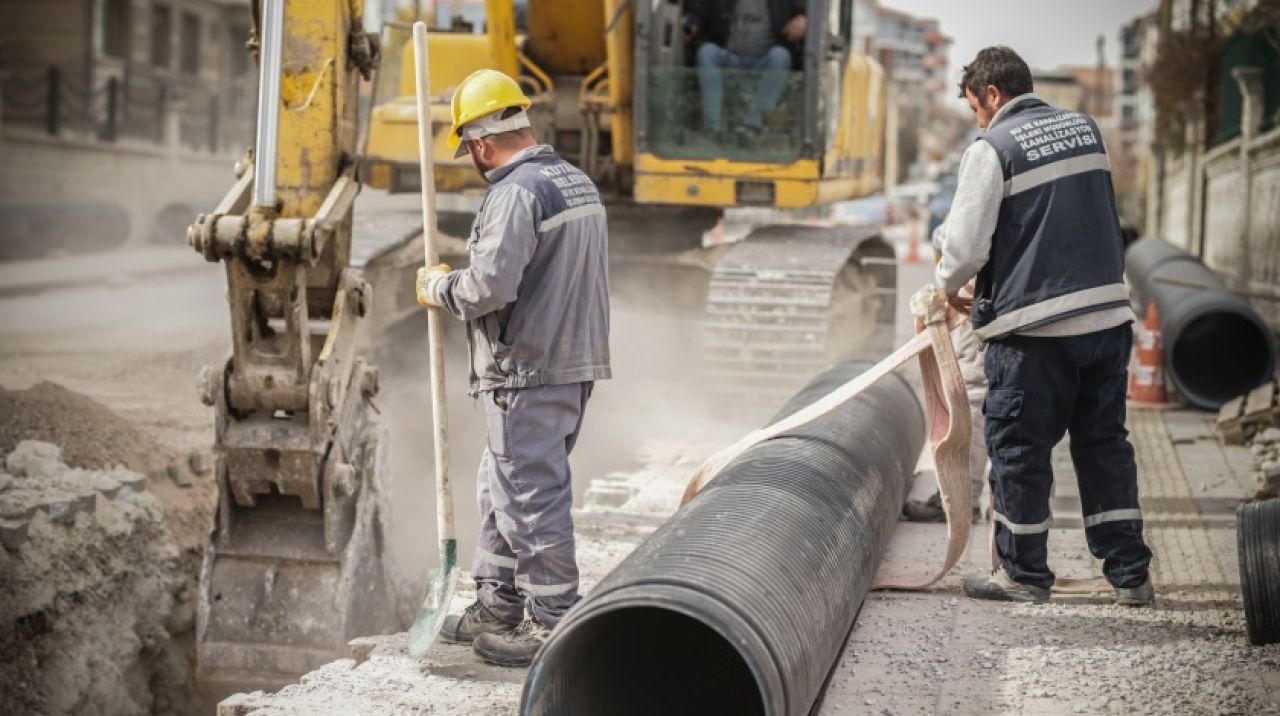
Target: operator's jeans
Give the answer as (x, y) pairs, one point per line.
(773, 66)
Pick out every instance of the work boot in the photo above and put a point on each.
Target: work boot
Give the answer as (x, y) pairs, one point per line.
(474, 621)
(999, 586)
(930, 510)
(1143, 595)
(514, 648)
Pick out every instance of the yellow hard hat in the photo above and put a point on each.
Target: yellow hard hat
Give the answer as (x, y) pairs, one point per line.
(482, 92)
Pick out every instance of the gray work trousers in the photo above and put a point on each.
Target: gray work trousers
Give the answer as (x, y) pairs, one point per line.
(525, 555)
(969, 355)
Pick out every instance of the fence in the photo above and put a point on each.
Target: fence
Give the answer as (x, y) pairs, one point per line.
(61, 103)
(1229, 214)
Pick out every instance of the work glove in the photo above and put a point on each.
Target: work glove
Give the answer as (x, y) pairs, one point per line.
(430, 282)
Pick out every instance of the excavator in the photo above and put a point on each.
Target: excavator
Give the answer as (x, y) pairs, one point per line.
(297, 562)
(612, 87)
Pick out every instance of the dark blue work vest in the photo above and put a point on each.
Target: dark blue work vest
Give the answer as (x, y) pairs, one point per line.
(1057, 250)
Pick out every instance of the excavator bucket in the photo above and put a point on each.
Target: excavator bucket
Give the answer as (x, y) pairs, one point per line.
(285, 586)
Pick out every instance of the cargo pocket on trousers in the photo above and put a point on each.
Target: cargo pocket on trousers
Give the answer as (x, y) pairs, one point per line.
(495, 410)
(1002, 408)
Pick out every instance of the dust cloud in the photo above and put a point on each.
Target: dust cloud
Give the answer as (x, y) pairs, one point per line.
(656, 394)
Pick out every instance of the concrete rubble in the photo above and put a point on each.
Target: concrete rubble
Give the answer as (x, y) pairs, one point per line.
(93, 596)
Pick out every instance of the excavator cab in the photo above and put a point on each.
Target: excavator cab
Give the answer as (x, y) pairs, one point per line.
(797, 126)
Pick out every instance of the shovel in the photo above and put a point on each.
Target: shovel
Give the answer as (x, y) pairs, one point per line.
(442, 582)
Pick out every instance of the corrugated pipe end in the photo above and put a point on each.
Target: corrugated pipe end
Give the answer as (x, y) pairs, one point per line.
(652, 650)
(1218, 352)
(1216, 346)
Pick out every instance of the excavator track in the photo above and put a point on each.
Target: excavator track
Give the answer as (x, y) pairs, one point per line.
(792, 299)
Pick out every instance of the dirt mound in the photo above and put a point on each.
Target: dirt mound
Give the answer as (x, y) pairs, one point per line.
(91, 435)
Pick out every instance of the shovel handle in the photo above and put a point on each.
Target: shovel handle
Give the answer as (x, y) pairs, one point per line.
(431, 256)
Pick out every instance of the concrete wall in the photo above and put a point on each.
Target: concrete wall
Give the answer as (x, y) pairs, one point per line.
(1176, 212)
(46, 182)
(1239, 233)
(1264, 228)
(1224, 210)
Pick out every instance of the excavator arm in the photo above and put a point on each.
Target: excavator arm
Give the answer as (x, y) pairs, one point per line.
(294, 568)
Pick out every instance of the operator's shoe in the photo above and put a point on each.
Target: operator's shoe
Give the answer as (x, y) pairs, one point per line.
(999, 586)
(1143, 595)
(474, 621)
(514, 648)
(930, 510)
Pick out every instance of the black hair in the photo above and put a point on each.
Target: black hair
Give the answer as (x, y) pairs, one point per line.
(998, 66)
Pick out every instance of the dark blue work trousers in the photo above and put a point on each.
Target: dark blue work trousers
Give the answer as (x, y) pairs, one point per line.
(1041, 389)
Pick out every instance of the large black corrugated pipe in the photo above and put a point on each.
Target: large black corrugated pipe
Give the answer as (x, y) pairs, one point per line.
(740, 603)
(1258, 537)
(1215, 345)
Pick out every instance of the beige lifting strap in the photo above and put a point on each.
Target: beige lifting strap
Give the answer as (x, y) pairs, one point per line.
(947, 409)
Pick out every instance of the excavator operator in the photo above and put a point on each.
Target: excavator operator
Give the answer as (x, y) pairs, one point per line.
(760, 35)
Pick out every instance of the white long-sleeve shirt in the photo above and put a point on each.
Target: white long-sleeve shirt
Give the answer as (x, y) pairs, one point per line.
(964, 239)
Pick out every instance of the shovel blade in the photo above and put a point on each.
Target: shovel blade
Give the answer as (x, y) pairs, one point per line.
(433, 608)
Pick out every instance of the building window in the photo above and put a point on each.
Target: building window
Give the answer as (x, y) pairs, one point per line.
(190, 43)
(1129, 40)
(114, 25)
(1128, 116)
(161, 36)
(1129, 81)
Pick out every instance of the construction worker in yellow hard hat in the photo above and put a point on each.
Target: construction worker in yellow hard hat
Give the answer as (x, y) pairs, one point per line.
(484, 93)
(536, 301)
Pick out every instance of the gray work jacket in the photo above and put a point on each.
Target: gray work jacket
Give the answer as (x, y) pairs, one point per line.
(536, 295)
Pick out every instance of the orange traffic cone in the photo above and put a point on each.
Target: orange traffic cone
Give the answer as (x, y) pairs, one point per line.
(1146, 382)
(913, 242)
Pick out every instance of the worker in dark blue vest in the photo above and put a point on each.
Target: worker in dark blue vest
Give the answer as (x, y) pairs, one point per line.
(1034, 219)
